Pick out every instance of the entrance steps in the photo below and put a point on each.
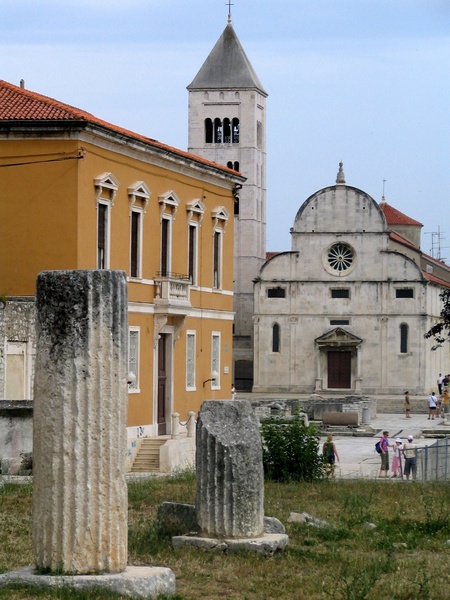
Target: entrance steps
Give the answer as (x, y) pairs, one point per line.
(147, 457)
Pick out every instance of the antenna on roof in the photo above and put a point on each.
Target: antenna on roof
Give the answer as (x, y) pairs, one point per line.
(436, 237)
(229, 4)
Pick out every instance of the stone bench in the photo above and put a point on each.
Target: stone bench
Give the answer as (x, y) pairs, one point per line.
(349, 419)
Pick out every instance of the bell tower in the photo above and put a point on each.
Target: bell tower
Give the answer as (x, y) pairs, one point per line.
(227, 125)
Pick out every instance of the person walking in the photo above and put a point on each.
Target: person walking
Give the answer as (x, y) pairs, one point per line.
(330, 454)
(439, 382)
(407, 405)
(410, 453)
(432, 403)
(384, 447)
(445, 402)
(396, 463)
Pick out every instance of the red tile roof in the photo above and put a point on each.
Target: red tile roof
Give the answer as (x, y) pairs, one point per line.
(435, 279)
(395, 217)
(399, 238)
(19, 104)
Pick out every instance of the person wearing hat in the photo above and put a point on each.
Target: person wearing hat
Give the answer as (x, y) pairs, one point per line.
(396, 464)
(410, 453)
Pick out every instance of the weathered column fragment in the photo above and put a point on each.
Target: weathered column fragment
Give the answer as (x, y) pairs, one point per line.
(80, 411)
(230, 480)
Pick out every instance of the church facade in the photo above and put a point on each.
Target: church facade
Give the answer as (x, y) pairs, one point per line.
(347, 308)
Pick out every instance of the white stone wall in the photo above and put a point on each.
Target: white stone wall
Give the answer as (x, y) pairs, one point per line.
(17, 324)
(374, 313)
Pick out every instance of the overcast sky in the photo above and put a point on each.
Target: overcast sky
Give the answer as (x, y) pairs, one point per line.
(362, 81)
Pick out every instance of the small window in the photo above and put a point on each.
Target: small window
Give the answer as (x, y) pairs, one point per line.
(404, 293)
(190, 360)
(135, 246)
(276, 338)
(277, 292)
(133, 358)
(339, 322)
(235, 126)
(165, 247)
(226, 131)
(192, 253)
(217, 131)
(403, 338)
(208, 131)
(102, 235)
(340, 293)
(217, 260)
(215, 360)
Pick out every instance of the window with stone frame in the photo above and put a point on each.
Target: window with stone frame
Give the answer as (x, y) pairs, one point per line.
(190, 360)
(106, 186)
(276, 338)
(133, 358)
(404, 293)
(404, 331)
(215, 359)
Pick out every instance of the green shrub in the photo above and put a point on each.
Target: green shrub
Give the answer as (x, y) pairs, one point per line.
(291, 451)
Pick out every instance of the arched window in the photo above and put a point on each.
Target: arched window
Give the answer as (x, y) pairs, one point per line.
(229, 164)
(403, 338)
(236, 165)
(217, 131)
(208, 131)
(235, 127)
(226, 131)
(276, 338)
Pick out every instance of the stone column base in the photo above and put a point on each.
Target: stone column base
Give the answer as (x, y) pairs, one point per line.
(134, 582)
(267, 544)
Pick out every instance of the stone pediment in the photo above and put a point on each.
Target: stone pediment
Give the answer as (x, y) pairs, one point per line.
(338, 337)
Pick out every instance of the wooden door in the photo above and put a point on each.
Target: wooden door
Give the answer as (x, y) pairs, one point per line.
(162, 384)
(339, 369)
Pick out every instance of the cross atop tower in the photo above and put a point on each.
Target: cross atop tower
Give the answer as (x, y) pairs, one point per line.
(229, 4)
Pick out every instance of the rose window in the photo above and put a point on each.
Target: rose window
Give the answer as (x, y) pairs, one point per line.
(340, 257)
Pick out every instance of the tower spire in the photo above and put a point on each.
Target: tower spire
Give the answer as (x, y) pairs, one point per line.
(229, 4)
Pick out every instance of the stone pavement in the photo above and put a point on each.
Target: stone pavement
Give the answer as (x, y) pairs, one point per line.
(358, 458)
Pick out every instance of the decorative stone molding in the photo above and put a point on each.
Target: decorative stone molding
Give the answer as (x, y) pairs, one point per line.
(139, 191)
(106, 182)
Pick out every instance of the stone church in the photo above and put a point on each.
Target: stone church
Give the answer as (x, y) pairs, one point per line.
(348, 306)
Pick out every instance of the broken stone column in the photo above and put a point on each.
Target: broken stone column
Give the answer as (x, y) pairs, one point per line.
(80, 411)
(230, 479)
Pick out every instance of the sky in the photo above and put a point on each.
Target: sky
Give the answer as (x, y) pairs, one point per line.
(366, 82)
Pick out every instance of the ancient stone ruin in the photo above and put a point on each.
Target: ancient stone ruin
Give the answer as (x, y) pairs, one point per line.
(230, 482)
(80, 525)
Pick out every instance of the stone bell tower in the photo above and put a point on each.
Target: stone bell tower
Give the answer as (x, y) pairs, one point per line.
(227, 124)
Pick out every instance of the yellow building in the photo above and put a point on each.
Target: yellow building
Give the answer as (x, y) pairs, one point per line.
(80, 193)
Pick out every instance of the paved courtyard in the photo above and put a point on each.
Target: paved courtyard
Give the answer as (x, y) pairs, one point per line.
(357, 454)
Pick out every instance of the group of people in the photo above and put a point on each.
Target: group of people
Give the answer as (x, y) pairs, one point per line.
(408, 450)
(437, 406)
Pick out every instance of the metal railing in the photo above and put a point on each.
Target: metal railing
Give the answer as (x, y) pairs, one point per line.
(433, 462)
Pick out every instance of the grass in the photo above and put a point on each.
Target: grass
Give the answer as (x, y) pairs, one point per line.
(407, 556)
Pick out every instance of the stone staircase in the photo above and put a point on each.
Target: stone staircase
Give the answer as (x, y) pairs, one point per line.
(396, 404)
(147, 458)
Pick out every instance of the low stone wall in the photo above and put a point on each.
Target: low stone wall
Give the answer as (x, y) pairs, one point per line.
(16, 433)
(177, 455)
(316, 406)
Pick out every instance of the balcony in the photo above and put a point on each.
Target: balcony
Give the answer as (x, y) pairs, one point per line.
(172, 290)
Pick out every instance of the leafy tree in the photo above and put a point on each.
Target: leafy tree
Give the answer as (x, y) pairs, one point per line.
(441, 331)
(291, 450)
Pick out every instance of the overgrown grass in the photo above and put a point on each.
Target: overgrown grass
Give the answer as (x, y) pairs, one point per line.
(407, 556)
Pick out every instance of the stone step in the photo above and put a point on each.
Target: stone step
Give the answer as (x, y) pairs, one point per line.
(147, 458)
